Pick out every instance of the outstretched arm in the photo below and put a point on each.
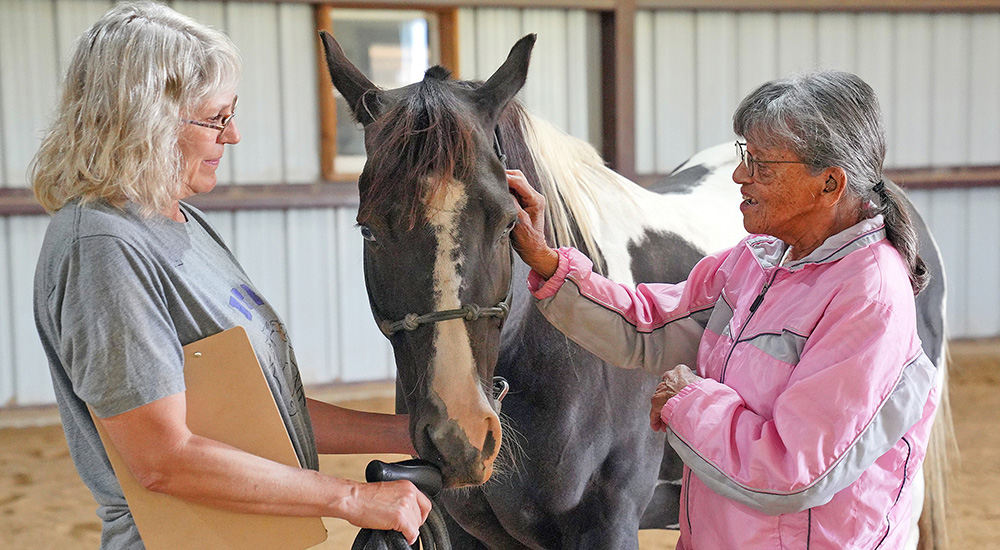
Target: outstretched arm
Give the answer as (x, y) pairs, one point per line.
(164, 456)
(346, 431)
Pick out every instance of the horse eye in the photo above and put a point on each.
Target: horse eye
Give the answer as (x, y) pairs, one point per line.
(367, 233)
(510, 227)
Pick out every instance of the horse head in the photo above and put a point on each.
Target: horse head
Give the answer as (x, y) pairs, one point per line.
(435, 214)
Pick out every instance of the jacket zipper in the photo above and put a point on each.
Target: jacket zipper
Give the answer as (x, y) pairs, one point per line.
(753, 309)
(687, 500)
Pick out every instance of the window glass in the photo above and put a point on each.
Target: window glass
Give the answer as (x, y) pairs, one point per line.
(393, 48)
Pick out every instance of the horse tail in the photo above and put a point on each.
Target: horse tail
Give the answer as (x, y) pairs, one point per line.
(941, 448)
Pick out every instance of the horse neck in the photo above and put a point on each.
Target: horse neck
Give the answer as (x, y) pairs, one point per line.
(591, 205)
(581, 192)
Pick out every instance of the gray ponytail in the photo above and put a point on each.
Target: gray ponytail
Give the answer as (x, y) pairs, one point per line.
(901, 233)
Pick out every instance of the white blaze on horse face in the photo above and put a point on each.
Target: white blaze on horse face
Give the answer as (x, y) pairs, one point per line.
(455, 376)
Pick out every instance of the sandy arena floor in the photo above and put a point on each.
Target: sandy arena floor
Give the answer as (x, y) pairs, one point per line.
(44, 505)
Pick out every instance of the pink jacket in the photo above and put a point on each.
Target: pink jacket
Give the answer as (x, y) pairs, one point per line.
(816, 406)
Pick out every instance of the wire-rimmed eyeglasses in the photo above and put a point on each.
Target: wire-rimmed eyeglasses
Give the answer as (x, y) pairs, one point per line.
(223, 122)
(749, 162)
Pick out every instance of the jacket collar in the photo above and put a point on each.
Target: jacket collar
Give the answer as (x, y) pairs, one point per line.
(769, 250)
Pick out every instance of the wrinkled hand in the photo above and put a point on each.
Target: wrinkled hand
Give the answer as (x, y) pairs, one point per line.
(388, 506)
(674, 380)
(528, 236)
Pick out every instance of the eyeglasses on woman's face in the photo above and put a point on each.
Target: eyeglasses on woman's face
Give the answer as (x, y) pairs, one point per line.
(223, 121)
(750, 163)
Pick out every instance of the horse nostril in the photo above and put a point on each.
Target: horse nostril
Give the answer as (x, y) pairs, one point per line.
(491, 443)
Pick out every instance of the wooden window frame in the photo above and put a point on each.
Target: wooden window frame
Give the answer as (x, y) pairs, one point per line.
(447, 29)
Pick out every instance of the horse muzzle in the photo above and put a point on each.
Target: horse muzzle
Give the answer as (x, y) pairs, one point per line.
(463, 438)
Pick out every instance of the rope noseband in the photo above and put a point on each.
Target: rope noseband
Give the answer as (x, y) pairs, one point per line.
(470, 312)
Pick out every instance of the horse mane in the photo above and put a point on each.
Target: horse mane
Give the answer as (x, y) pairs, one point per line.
(423, 138)
(567, 171)
(427, 137)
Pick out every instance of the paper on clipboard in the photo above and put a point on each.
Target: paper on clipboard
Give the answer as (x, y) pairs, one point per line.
(228, 400)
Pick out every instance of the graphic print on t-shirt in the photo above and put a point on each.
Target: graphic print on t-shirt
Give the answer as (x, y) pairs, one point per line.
(240, 302)
(279, 357)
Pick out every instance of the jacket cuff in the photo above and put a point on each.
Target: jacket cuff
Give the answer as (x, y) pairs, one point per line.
(668, 408)
(546, 288)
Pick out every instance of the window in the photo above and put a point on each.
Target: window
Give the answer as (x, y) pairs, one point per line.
(392, 48)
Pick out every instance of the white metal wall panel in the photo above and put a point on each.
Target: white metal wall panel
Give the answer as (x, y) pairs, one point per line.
(583, 94)
(940, 72)
(260, 246)
(675, 100)
(547, 87)
(949, 134)
(796, 41)
(836, 38)
(756, 53)
(212, 14)
(947, 218)
(467, 39)
(26, 101)
(876, 65)
(7, 394)
(563, 72)
(910, 133)
(982, 304)
(495, 30)
(645, 94)
(32, 384)
(364, 353)
(299, 100)
(715, 47)
(253, 28)
(312, 292)
(984, 97)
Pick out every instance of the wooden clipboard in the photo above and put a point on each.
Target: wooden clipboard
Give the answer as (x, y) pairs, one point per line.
(228, 400)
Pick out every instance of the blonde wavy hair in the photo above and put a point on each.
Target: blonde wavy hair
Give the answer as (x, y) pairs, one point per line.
(135, 74)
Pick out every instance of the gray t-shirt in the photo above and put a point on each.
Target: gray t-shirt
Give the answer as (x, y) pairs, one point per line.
(117, 295)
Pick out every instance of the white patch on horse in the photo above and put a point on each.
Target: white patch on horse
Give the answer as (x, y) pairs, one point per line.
(454, 371)
(612, 211)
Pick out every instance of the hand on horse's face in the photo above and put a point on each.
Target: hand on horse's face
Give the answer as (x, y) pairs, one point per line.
(528, 236)
(674, 380)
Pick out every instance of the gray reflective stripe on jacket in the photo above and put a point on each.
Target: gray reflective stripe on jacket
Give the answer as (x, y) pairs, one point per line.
(785, 346)
(656, 351)
(903, 409)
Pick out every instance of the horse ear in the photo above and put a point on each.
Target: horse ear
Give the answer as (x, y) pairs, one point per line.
(493, 96)
(362, 96)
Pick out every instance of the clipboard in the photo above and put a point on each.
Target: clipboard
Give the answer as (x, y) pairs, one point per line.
(228, 400)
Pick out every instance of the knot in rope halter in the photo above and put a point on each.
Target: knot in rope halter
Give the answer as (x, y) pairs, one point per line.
(471, 312)
(410, 322)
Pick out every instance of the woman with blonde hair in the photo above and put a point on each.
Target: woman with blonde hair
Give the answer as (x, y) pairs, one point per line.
(129, 273)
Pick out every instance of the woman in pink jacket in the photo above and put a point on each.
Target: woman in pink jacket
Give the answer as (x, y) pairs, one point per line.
(806, 417)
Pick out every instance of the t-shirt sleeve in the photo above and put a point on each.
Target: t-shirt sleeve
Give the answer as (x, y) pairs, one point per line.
(117, 341)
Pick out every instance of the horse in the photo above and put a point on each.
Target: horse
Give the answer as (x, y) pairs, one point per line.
(568, 459)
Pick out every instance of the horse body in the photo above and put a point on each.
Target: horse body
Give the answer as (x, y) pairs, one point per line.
(579, 466)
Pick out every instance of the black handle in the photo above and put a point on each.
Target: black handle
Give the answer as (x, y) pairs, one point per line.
(423, 474)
